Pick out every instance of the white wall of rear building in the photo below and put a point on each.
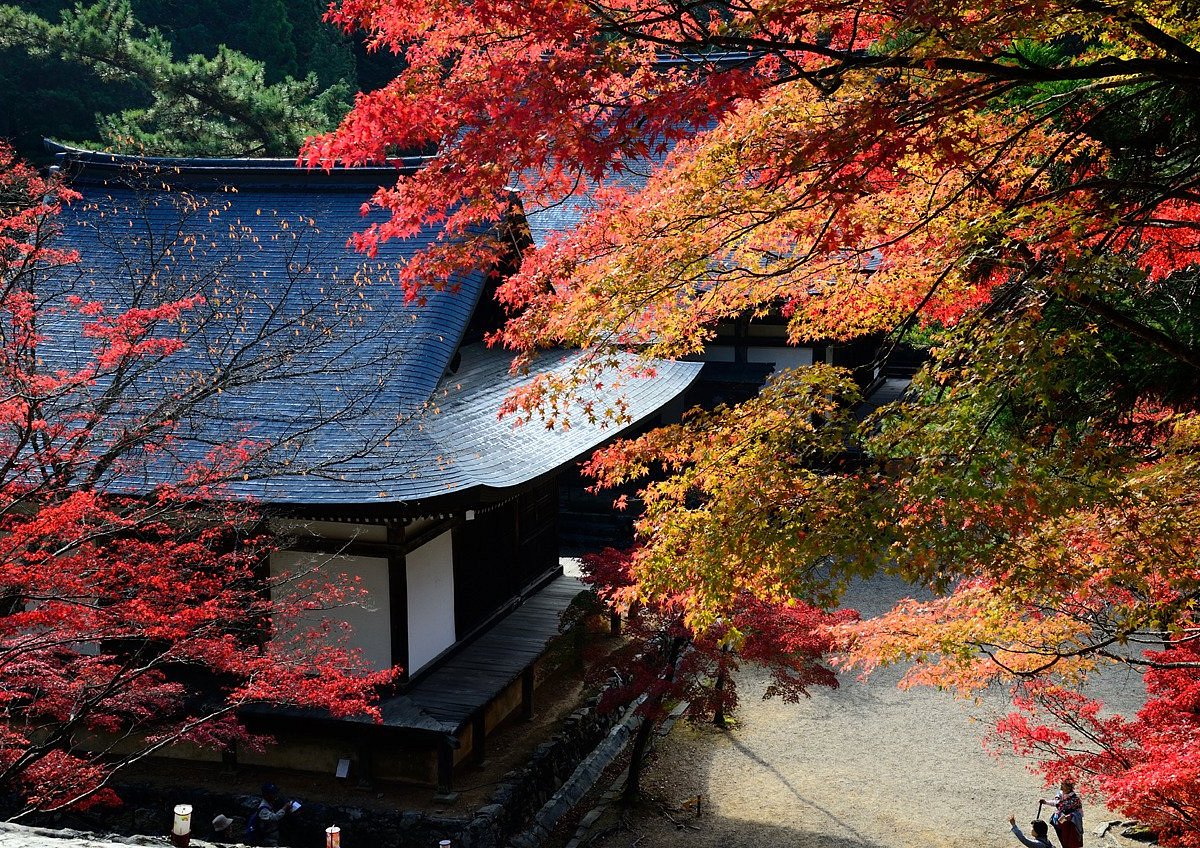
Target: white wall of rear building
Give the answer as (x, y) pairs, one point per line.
(369, 616)
(430, 600)
(780, 357)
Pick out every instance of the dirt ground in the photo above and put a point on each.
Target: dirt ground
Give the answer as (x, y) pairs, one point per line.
(865, 766)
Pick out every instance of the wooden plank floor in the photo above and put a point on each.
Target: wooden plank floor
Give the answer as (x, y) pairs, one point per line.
(474, 676)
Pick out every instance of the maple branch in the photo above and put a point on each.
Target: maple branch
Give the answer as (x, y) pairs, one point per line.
(1160, 39)
(1187, 69)
(1054, 655)
(118, 681)
(1175, 348)
(148, 750)
(1144, 663)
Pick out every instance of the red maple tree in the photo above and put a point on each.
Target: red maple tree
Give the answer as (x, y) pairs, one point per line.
(665, 661)
(1148, 766)
(129, 620)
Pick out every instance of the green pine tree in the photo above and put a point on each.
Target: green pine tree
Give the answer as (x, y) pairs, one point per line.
(219, 105)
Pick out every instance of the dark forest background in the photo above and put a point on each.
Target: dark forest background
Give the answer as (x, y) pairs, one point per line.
(64, 72)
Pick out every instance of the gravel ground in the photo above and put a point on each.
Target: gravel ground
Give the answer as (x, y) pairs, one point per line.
(865, 766)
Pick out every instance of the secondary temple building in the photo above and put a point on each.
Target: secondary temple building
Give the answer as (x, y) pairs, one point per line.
(372, 416)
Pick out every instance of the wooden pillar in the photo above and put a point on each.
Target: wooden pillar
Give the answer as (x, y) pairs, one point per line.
(366, 764)
(741, 331)
(445, 769)
(479, 738)
(527, 694)
(229, 759)
(578, 644)
(398, 596)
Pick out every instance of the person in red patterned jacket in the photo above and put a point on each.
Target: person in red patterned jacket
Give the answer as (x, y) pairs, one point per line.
(1068, 815)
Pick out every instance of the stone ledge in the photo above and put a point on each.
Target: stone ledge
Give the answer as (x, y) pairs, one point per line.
(20, 836)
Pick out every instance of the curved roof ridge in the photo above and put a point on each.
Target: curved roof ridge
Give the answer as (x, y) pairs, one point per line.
(96, 165)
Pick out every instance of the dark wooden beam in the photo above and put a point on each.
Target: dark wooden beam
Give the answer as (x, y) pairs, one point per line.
(411, 543)
(229, 759)
(397, 543)
(398, 596)
(366, 765)
(319, 545)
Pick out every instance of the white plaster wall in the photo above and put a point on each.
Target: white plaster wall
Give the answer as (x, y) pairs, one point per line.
(369, 616)
(783, 357)
(430, 600)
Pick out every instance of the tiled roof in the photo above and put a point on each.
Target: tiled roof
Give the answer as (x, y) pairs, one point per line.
(564, 215)
(352, 382)
(498, 453)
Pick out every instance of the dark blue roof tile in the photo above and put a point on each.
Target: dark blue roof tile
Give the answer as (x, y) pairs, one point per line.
(324, 356)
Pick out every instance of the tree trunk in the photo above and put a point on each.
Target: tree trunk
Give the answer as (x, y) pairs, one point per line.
(651, 707)
(719, 712)
(637, 758)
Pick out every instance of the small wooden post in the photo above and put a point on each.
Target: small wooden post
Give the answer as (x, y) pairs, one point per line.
(527, 694)
(365, 765)
(229, 760)
(445, 769)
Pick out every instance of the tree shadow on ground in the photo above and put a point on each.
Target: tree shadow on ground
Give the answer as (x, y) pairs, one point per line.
(840, 823)
(646, 826)
(677, 811)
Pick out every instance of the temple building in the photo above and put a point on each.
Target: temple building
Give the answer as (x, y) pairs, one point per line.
(370, 419)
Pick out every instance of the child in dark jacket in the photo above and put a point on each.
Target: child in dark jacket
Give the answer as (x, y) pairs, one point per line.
(1040, 834)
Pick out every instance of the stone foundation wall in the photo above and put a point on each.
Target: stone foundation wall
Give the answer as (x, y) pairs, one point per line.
(510, 809)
